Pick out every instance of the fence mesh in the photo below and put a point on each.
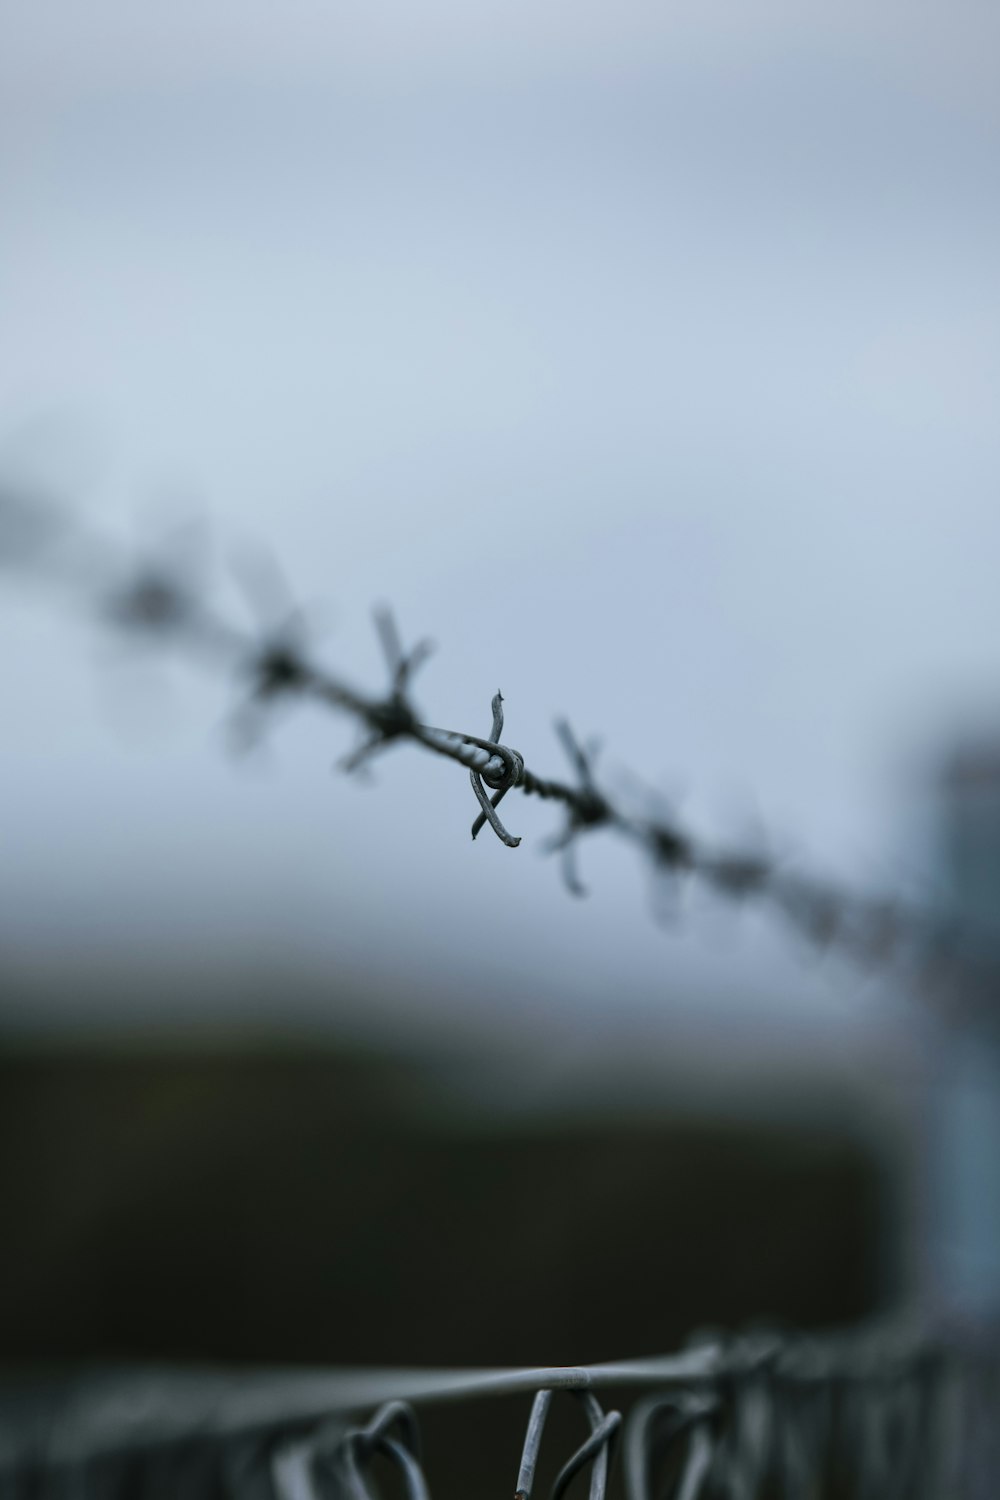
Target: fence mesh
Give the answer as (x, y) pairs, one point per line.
(872, 1414)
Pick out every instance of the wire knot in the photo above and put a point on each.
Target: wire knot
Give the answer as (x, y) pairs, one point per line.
(500, 778)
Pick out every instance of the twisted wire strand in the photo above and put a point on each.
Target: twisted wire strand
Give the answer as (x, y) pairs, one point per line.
(157, 601)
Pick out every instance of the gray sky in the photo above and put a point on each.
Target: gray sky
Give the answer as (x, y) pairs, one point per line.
(647, 358)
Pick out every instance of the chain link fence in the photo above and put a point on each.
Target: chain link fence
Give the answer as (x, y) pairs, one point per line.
(874, 1414)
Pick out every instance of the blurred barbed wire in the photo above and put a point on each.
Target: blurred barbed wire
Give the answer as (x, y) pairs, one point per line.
(161, 596)
(884, 1412)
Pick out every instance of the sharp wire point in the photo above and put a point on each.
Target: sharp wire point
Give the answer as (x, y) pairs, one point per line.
(163, 600)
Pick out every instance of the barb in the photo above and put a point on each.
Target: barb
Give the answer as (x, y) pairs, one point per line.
(393, 717)
(589, 809)
(502, 781)
(156, 601)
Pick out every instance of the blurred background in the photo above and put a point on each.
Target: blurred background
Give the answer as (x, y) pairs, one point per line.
(647, 359)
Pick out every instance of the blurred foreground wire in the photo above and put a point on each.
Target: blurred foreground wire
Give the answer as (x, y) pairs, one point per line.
(876, 1414)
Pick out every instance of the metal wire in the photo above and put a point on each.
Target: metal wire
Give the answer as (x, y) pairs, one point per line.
(159, 601)
(879, 1413)
(648, 1440)
(884, 1413)
(597, 1448)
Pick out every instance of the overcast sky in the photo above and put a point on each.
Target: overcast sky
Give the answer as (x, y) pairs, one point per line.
(645, 357)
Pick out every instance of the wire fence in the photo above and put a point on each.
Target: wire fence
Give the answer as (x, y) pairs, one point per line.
(877, 1414)
(160, 598)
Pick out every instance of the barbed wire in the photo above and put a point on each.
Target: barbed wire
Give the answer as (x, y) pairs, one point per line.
(880, 1413)
(160, 600)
